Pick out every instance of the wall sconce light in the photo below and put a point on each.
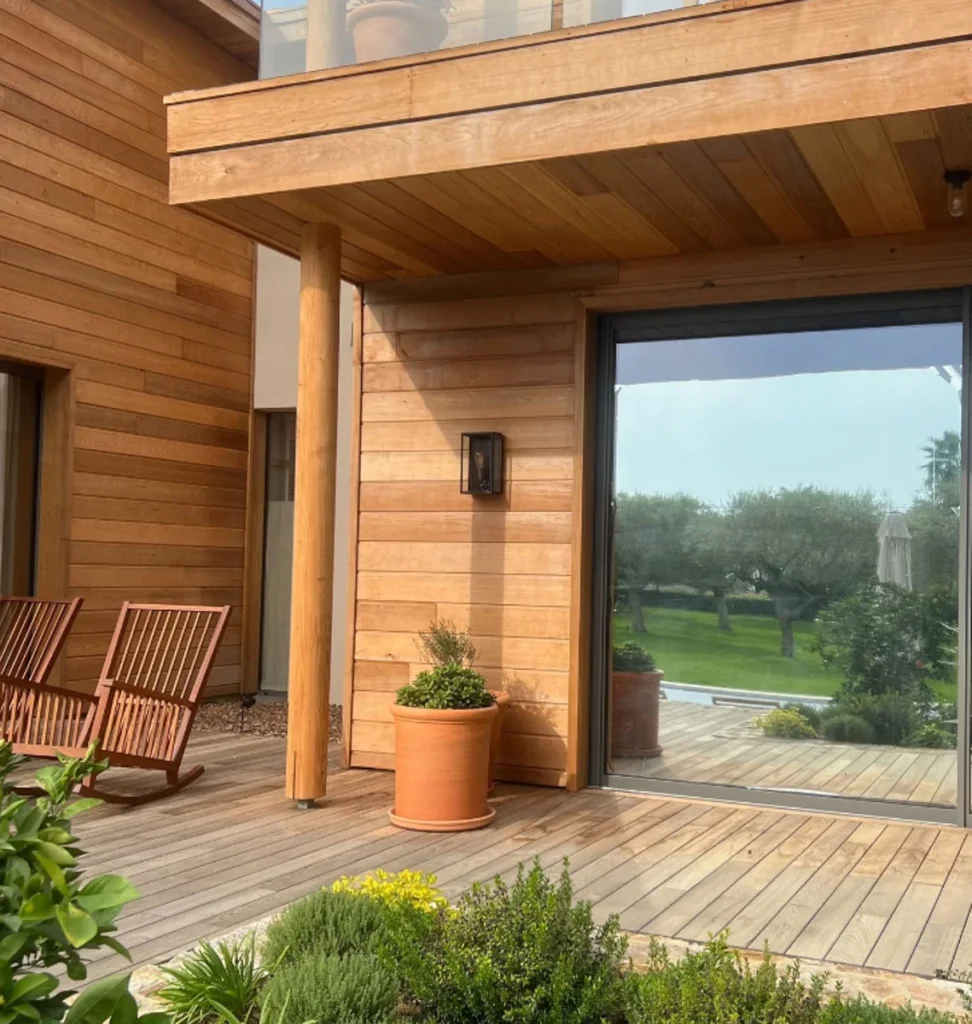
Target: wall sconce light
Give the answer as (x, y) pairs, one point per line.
(482, 464)
(958, 191)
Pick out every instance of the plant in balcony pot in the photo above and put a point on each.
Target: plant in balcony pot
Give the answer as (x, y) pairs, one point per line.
(443, 722)
(396, 28)
(635, 694)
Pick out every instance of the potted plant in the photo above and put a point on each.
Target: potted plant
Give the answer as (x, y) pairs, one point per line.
(443, 727)
(635, 693)
(396, 28)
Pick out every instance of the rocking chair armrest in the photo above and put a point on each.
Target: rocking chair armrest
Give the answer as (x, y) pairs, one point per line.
(140, 691)
(23, 684)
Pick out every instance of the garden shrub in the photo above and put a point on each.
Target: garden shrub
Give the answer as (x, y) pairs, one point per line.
(443, 644)
(324, 924)
(786, 724)
(355, 989)
(511, 954)
(446, 687)
(49, 915)
(862, 1010)
(933, 736)
(716, 986)
(632, 657)
(215, 983)
(406, 888)
(847, 728)
(807, 711)
(892, 717)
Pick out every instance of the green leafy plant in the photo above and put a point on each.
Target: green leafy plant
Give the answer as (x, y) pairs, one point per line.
(892, 717)
(632, 657)
(786, 724)
(443, 644)
(807, 711)
(405, 888)
(716, 986)
(324, 924)
(511, 954)
(845, 727)
(215, 983)
(355, 989)
(932, 736)
(446, 687)
(861, 1010)
(49, 915)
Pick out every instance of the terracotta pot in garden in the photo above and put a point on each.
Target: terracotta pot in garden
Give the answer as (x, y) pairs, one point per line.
(442, 768)
(503, 701)
(395, 28)
(634, 714)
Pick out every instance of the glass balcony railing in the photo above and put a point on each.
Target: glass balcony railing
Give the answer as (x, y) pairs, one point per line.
(307, 35)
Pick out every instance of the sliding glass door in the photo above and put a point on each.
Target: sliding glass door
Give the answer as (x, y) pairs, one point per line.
(781, 554)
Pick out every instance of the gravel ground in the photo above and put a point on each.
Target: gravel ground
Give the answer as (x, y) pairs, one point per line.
(268, 717)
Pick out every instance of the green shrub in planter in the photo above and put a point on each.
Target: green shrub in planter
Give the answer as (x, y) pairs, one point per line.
(632, 657)
(355, 989)
(324, 924)
(787, 725)
(511, 954)
(716, 986)
(446, 687)
(844, 727)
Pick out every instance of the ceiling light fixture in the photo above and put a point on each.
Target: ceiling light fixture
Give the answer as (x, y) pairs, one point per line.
(958, 191)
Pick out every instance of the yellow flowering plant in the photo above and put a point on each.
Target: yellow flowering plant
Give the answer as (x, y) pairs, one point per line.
(402, 889)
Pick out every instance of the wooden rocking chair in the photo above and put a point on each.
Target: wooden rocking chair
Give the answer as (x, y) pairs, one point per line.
(142, 711)
(157, 665)
(35, 716)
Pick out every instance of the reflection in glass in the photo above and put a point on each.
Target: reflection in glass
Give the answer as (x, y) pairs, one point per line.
(786, 525)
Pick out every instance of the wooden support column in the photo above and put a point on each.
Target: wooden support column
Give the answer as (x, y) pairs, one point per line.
(316, 464)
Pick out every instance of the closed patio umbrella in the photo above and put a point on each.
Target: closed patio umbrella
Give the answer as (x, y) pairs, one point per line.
(894, 551)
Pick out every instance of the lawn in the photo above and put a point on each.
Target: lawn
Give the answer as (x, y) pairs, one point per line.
(690, 648)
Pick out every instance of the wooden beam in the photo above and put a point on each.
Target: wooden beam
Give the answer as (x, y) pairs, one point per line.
(636, 54)
(869, 86)
(316, 466)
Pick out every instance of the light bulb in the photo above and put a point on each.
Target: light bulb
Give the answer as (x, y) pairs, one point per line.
(958, 192)
(958, 201)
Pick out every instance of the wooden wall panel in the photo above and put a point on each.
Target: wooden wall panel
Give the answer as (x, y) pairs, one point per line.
(499, 567)
(143, 309)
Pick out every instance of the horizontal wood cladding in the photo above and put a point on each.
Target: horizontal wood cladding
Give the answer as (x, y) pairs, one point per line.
(146, 307)
(498, 567)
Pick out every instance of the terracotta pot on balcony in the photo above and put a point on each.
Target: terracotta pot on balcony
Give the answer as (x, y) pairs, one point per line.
(503, 701)
(395, 28)
(634, 714)
(442, 768)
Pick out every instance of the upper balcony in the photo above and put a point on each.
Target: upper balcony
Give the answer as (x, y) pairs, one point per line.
(718, 126)
(311, 35)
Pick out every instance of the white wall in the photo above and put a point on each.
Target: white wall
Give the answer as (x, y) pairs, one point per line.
(275, 389)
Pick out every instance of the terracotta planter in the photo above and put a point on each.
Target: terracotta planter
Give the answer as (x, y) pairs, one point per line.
(442, 768)
(395, 28)
(503, 701)
(634, 714)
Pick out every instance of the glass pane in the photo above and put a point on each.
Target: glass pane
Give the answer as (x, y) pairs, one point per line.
(278, 551)
(785, 559)
(19, 411)
(306, 35)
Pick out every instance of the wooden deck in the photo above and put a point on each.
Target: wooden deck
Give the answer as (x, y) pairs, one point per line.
(719, 744)
(231, 850)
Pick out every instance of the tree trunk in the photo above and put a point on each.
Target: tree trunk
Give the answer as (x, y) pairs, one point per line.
(722, 609)
(634, 610)
(787, 648)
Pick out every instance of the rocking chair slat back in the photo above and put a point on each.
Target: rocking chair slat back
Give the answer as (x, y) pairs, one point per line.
(156, 668)
(33, 715)
(32, 633)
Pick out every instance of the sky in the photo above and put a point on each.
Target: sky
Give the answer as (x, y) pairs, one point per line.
(845, 410)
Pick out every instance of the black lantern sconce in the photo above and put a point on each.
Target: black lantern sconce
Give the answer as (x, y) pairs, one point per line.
(482, 464)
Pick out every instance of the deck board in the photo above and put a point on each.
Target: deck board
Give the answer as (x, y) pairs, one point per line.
(231, 850)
